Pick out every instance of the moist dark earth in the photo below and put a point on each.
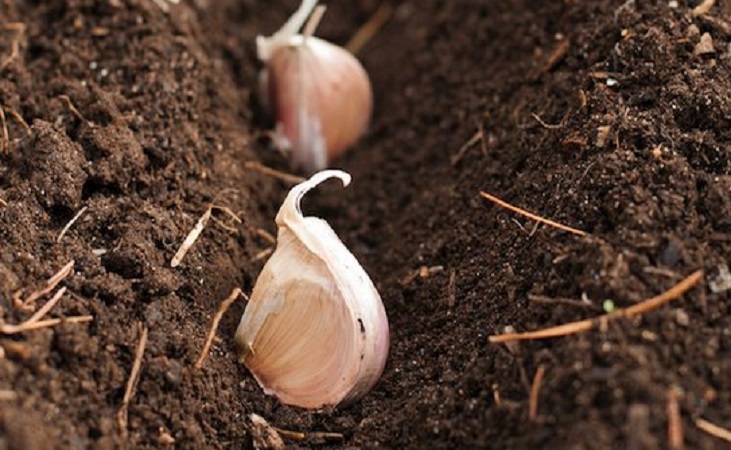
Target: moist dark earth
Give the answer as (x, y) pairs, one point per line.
(613, 117)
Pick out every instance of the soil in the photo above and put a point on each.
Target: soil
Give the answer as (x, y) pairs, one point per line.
(609, 116)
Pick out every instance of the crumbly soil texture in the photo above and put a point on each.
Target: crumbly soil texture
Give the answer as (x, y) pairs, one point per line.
(133, 117)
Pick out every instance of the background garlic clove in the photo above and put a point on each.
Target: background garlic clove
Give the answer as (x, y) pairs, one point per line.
(315, 332)
(321, 98)
(319, 93)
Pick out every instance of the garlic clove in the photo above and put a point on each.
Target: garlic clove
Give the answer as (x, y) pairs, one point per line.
(319, 93)
(315, 332)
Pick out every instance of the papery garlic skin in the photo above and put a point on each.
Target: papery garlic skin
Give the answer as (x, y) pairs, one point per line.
(315, 332)
(318, 93)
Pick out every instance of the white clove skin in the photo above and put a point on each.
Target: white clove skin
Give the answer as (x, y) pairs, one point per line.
(315, 332)
(318, 93)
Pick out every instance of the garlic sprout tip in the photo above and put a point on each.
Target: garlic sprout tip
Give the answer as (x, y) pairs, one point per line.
(265, 46)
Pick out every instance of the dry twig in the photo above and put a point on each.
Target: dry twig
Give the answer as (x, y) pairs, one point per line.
(452, 289)
(35, 322)
(7, 395)
(422, 272)
(164, 6)
(225, 305)
(99, 31)
(319, 436)
(476, 138)
(267, 236)
(21, 121)
(191, 238)
(122, 415)
(282, 176)
(675, 424)
(223, 225)
(195, 233)
(535, 389)
(370, 28)
(19, 28)
(496, 395)
(546, 125)
(71, 223)
(8, 329)
(50, 285)
(703, 8)
(557, 55)
(713, 429)
(45, 309)
(264, 435)
(586, 325)
(229, 213)
(530, 215)
(5, 143)
(535, 298)
(263, 254)
(70, 105)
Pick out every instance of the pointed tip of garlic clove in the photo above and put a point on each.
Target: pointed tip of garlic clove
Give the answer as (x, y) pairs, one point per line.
(294, 198)
(290, 213)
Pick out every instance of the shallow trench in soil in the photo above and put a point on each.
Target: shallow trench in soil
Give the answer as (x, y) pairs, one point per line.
(611, 117)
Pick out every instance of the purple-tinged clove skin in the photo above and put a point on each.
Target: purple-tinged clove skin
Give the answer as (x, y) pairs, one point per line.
(315, 332)
(318, 93)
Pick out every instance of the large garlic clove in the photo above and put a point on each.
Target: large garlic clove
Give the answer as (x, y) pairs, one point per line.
(315, 332)
(319, 93)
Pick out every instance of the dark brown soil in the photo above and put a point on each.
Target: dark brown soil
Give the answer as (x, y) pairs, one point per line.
(613, 117)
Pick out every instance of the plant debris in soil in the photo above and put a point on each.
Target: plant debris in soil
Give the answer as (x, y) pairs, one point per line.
(123, 121)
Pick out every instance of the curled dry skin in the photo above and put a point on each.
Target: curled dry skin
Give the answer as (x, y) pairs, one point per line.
(315, 332)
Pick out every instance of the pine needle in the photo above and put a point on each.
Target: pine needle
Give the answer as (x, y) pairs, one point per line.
(530, 215)
(586, 325)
